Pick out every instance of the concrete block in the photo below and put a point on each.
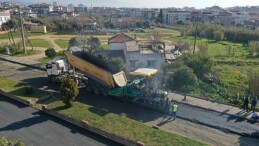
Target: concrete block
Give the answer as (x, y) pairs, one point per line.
(155, 127)
(43, 107)
(139, 143)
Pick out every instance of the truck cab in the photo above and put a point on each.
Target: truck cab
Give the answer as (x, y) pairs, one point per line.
(56, 68)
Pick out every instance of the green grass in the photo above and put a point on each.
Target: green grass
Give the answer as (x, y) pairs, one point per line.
(44, 60)
(20, 53)
(62, 43)
(124, 127)
(40, 43)
(17, 34)
(17, 89)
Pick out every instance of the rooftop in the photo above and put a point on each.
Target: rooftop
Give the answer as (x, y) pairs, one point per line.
(120, 38)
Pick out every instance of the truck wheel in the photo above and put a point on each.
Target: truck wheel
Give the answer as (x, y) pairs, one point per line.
(96, 91)
(88, 89)
(104, 93)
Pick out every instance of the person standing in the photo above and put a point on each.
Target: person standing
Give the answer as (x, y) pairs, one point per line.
(174, 109)
(246, 101)
(253, 104)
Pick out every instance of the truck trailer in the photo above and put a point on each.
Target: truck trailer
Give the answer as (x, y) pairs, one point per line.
(100, 77)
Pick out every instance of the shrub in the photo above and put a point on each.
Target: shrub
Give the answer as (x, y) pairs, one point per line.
(69, 90)
(50, 52)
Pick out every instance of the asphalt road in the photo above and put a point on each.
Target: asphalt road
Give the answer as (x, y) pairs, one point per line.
(34, 127)
(220, 120)
(38, 79)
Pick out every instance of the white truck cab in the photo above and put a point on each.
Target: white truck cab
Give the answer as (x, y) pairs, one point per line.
(56, 68)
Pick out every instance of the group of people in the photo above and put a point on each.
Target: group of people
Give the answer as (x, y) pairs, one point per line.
(253, 104)
(255, 116)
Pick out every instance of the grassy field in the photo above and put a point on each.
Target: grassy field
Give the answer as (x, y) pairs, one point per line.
(44, 60)
(124, 127)
(17, 34)
(62, 43)
(40, 43)
(20, 90)
(20, 53)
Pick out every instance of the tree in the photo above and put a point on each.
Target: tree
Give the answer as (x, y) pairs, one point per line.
(231, 51)
(94, 43)
(199, 64)
(253, 82)
(156, 35)
(72, 42)
(50, 52)
(183, 79)
(218, 35)
(5, 142)
(160, 17)
(203, 48)
(253, 47)
(118, 63)
(146, 24)
(10, 25)
(69, 90)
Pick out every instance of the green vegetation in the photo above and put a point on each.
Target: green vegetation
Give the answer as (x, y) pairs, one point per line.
(20, 53)
(5, 142)
(118, 125)
(50, 52)
(40, 43)
(21, 90)
(44, 60)
(17, 34)
(69, 91)
(62, 43)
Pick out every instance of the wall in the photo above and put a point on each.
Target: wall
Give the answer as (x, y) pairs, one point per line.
(39, 29)
(142, 60)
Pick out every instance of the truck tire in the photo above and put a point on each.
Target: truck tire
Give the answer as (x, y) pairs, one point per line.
(88, 89)
(96, 91)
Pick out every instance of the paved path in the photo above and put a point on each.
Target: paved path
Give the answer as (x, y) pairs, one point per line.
(148, 117)
(39, 129)
(222, 108)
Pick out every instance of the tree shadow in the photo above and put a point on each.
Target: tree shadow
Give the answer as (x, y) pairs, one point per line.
(119, 107)
(25, 123)
(224, 112)
(60, 108)
(165, 120)
(100, 112)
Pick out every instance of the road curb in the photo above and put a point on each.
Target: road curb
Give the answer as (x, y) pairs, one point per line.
(83, 124)
(27, 65)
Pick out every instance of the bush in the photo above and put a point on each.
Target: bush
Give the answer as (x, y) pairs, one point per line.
(5, 142)
(28, 90)
(69, 90)
(50, 53)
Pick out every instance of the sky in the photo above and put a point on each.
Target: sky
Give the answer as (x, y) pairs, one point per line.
(153, 3)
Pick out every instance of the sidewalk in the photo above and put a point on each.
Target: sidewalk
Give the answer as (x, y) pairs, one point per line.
(26, 61)
(209, 105)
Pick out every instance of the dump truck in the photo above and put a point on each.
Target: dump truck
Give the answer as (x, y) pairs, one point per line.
(97, 76)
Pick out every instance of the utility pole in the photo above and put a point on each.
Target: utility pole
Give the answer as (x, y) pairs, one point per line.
(22, 29)
(195, 39)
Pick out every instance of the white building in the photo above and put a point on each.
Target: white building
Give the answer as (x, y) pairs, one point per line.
(41, 9)
(173, 17)
(4, 17)
(137, 56)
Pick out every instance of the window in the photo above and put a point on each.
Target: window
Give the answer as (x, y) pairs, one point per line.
(133, 63)
(151, 63)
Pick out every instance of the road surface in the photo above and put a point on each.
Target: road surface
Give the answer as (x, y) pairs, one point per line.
(36, 128)
(185, 128)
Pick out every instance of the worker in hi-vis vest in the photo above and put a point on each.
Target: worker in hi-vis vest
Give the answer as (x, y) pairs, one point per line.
(174, 109)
